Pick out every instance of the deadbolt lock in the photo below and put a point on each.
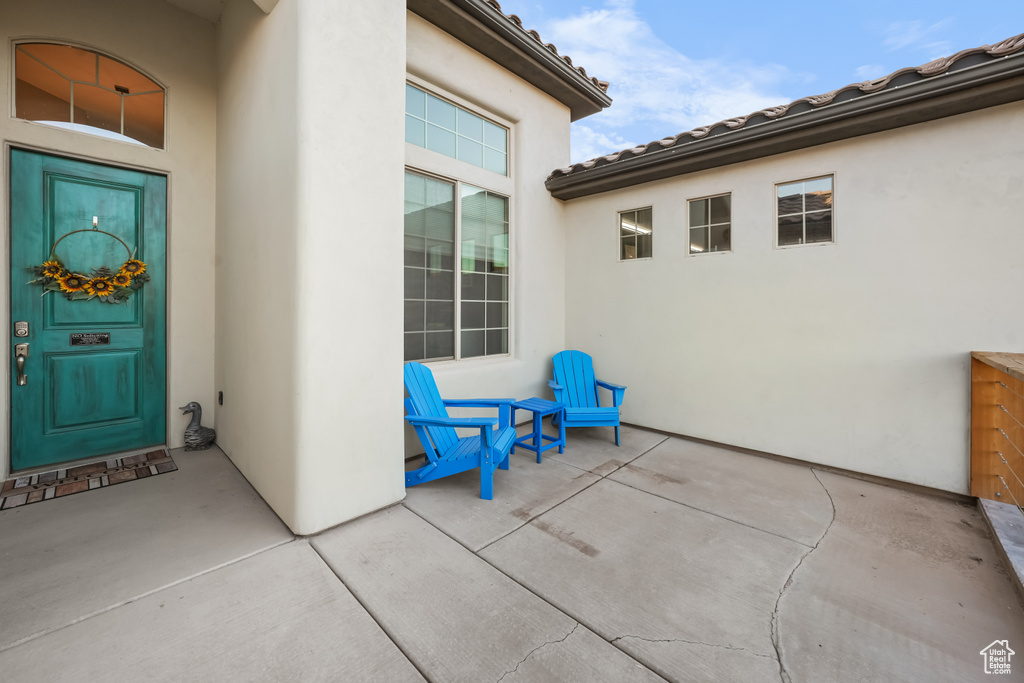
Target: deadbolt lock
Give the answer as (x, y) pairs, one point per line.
(21, 328)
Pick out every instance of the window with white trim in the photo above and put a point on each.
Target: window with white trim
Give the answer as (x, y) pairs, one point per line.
(804, 211)
(85, 91)
(456, 269)
(440, 126)
(636, 230)
(710, 224)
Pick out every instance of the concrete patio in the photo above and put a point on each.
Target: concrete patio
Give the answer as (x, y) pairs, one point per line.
(662, 559)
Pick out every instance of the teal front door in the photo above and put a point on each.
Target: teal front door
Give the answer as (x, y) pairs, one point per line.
(91, 380)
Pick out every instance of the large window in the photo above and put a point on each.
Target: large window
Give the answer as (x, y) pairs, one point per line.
(710, 224)
(804, 211)
(69, 87)
(456, 270)
(443, 127)
(636, 230)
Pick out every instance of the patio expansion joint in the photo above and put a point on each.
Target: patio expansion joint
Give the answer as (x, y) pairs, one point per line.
(715, 514)
(693, 642)
(538, 648)
(526, 588)
(146, 594)
(366, 608)
(783, 674)
(600, 477)
(597, 471)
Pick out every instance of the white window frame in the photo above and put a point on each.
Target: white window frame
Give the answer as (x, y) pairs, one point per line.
(618, 234)
(457, 262)
(441, 167)
(689, 253)
(84, 129)
(423, 157)
(775, 212)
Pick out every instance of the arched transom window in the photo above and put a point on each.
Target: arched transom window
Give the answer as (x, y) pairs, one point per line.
(83, 90)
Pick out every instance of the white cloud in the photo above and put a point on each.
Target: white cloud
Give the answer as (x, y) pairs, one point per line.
(917, 36)
(588, 143)
(869, 72)
(658, 91)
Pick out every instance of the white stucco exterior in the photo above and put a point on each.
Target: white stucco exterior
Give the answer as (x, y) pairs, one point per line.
(285, 163)
(285, 160)
(540, 141)
(853, 354)
(310, 202)
(177, 49)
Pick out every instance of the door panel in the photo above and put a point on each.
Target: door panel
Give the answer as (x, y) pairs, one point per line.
(86, 400)
(95, 388)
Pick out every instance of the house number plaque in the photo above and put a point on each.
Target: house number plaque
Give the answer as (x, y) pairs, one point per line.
(89, 338)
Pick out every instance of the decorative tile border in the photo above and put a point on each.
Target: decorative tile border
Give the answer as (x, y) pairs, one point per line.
(64, 482)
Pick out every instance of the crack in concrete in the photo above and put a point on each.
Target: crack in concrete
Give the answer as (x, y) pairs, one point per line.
(692, 642)
(783, 674)
(539, 647)
(110, 608)
(831, 502)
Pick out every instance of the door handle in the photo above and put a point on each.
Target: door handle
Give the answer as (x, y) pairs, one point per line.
(20, 354)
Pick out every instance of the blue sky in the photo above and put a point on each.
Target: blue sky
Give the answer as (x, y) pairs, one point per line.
(675, 65)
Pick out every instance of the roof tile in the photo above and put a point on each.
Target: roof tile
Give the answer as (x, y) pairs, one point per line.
(603, 85)
(897, 78)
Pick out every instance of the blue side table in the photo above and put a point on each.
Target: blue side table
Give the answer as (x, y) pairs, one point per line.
(540, 408)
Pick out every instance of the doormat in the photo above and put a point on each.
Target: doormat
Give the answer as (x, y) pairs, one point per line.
(59, 483)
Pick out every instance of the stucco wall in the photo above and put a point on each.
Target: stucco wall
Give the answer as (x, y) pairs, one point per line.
(540, 142)
(309, 252)
(177, 49)
(853, 354)
(256, 245)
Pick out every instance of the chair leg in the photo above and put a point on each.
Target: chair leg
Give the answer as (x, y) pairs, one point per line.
(617, 442)
(512, 421)
(503, 465)
(561, 433)
(538, 440)
(486, 482)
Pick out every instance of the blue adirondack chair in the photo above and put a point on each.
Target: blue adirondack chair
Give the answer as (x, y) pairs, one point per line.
(575, 386)
(447, 452)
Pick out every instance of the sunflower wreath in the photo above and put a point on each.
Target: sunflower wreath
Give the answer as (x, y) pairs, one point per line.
(105, 284)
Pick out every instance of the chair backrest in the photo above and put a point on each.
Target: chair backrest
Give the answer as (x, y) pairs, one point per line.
(574, 370)
(426, 402)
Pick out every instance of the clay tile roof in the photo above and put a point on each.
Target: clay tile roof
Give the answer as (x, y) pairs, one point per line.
(603, 85)
(896, 79)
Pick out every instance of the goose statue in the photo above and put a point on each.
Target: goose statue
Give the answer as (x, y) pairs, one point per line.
(197, 437)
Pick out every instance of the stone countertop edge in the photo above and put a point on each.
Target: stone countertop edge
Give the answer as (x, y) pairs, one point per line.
(1007, 524)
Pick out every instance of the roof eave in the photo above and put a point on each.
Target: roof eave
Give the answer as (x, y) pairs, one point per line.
(985, 85)
(485, 29)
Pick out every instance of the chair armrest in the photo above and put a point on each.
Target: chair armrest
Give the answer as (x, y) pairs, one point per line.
(468, 422)
(617, 391)
(558, 390)
(504, 406)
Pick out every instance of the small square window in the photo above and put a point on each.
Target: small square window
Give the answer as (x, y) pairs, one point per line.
(636, 230)
(710, 224)
(804, 212)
